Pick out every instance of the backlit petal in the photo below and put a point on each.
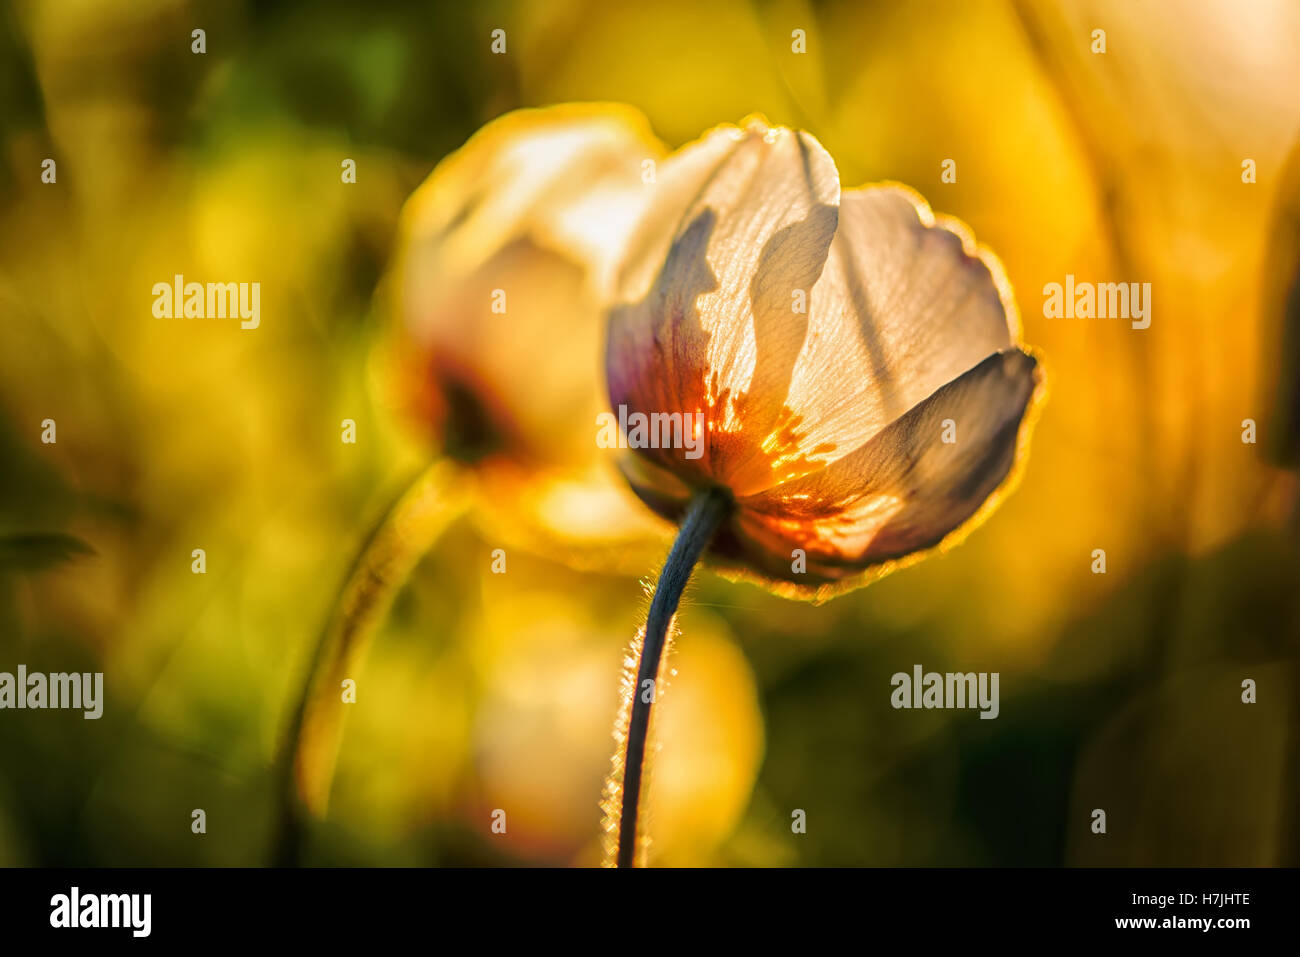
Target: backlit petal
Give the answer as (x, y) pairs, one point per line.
(906, 489)
(905, 305)
(568, 177)
(740, 220)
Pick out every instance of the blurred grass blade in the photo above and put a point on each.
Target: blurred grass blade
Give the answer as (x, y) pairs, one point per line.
(35, 551)
(1281, 308)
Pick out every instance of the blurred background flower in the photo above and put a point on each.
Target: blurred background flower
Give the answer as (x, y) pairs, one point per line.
(1119, 690)
(534, 206)
(500, 274)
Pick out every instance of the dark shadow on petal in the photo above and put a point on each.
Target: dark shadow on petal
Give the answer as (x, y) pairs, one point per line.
(657, 355)
(657, 351)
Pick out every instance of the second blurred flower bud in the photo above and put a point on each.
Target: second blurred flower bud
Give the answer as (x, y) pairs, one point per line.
(503, 269)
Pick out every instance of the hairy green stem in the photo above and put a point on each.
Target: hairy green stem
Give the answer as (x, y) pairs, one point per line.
(705, 514)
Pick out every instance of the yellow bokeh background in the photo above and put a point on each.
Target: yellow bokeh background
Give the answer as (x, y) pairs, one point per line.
(488, 691)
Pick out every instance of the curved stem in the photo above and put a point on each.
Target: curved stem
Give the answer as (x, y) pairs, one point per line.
(384, 562)
(705, 514)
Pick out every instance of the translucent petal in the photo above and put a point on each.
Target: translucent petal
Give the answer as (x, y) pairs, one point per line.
(740, 220)
(905, 489)
(905, 305)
